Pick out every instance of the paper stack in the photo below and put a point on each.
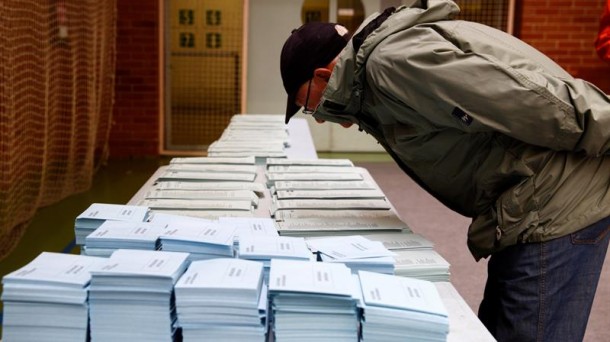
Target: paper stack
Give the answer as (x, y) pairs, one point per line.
(113, 235)
(98, 213)
(202, 241)
(312, 301)
(324, 222)
(265, 248)
(401, 309)
(400, 240)
(222, 300)
(261, 136)
(46, 300)
(207, 169)
(208, 187)
(327, 196)
(249, 226)
(356, 252)
(424, 264)
(131, 296)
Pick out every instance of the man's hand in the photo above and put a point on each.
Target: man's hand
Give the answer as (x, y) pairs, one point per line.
(343, 124)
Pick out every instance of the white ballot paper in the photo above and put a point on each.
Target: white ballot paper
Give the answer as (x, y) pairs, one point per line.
(330, 194)
(223, 275)
(323, 185)
(403, 240)
(112, 235)
(166, 203)
(257, 154)
(401, 293)
(310, 277)
(97, 213)
(250, 226)
(218, 161)
(366, 214)
(258, 188)
(221, 195)
(269, 247)
(336, 224)
(228, 168)
(211, 233)
(57, 273)
(308, 169)
(162, 218)
(205, 176)
(349, 247)
(329, 204)
(348, 176)
(311, 162)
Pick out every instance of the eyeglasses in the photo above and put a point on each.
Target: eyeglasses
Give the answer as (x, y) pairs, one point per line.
(306, 110)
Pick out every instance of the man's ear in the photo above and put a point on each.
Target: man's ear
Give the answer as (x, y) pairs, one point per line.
(322, 73)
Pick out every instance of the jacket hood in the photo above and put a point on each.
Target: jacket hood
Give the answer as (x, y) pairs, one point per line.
(340, 101)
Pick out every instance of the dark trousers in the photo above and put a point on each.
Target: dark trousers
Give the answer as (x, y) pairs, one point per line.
(544, 291)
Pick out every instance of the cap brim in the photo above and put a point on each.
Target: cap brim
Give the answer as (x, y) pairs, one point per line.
(291, 107)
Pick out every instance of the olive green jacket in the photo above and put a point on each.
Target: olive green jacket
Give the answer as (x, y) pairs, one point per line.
(488, 125)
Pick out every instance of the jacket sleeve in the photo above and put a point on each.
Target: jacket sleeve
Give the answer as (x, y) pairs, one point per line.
(602, 43)
(478, 92)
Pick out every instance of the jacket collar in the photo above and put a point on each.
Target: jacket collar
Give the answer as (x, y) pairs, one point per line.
(342, 99)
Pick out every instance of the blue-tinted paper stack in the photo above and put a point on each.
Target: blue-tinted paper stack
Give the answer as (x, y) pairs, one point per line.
(201, 241)
(401, 309)
(312, 301)
(131, 296)
(222, 300)
(46, 300)
(98, 213)
(113, 235)
(266, 248)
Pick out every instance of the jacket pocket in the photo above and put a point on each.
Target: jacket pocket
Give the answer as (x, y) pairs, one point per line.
(518, 213)
(513, 219)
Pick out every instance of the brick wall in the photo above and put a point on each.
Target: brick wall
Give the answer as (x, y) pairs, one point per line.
(563, 29)
(135, 128)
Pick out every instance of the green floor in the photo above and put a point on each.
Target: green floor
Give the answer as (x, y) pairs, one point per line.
(52, 228)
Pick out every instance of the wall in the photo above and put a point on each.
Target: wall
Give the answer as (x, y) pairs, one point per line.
(270, 24)
(565, 31)
(562, 29)
(135, 126)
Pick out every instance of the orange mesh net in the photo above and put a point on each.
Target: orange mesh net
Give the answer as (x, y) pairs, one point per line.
(56, 92)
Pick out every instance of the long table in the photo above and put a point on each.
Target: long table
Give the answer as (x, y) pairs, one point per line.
(464, 325)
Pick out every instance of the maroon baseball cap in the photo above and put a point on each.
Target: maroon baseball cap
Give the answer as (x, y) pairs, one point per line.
(311, 46)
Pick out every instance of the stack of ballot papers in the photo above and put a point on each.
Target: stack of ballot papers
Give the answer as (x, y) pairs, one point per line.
(131, 296)
(249, 226)
(206, 187)
(424, 264)
(320, 222)
(257, 188)
(208, 169)
(266, 248)
(98, 213)
(242, 226)
(46, 300)
(401, 309)
(222, 300)
(113, 235)
(308, 162)
(356, 252)
(261, 136)
(201, 240)
(400, 240)
(313, 301)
